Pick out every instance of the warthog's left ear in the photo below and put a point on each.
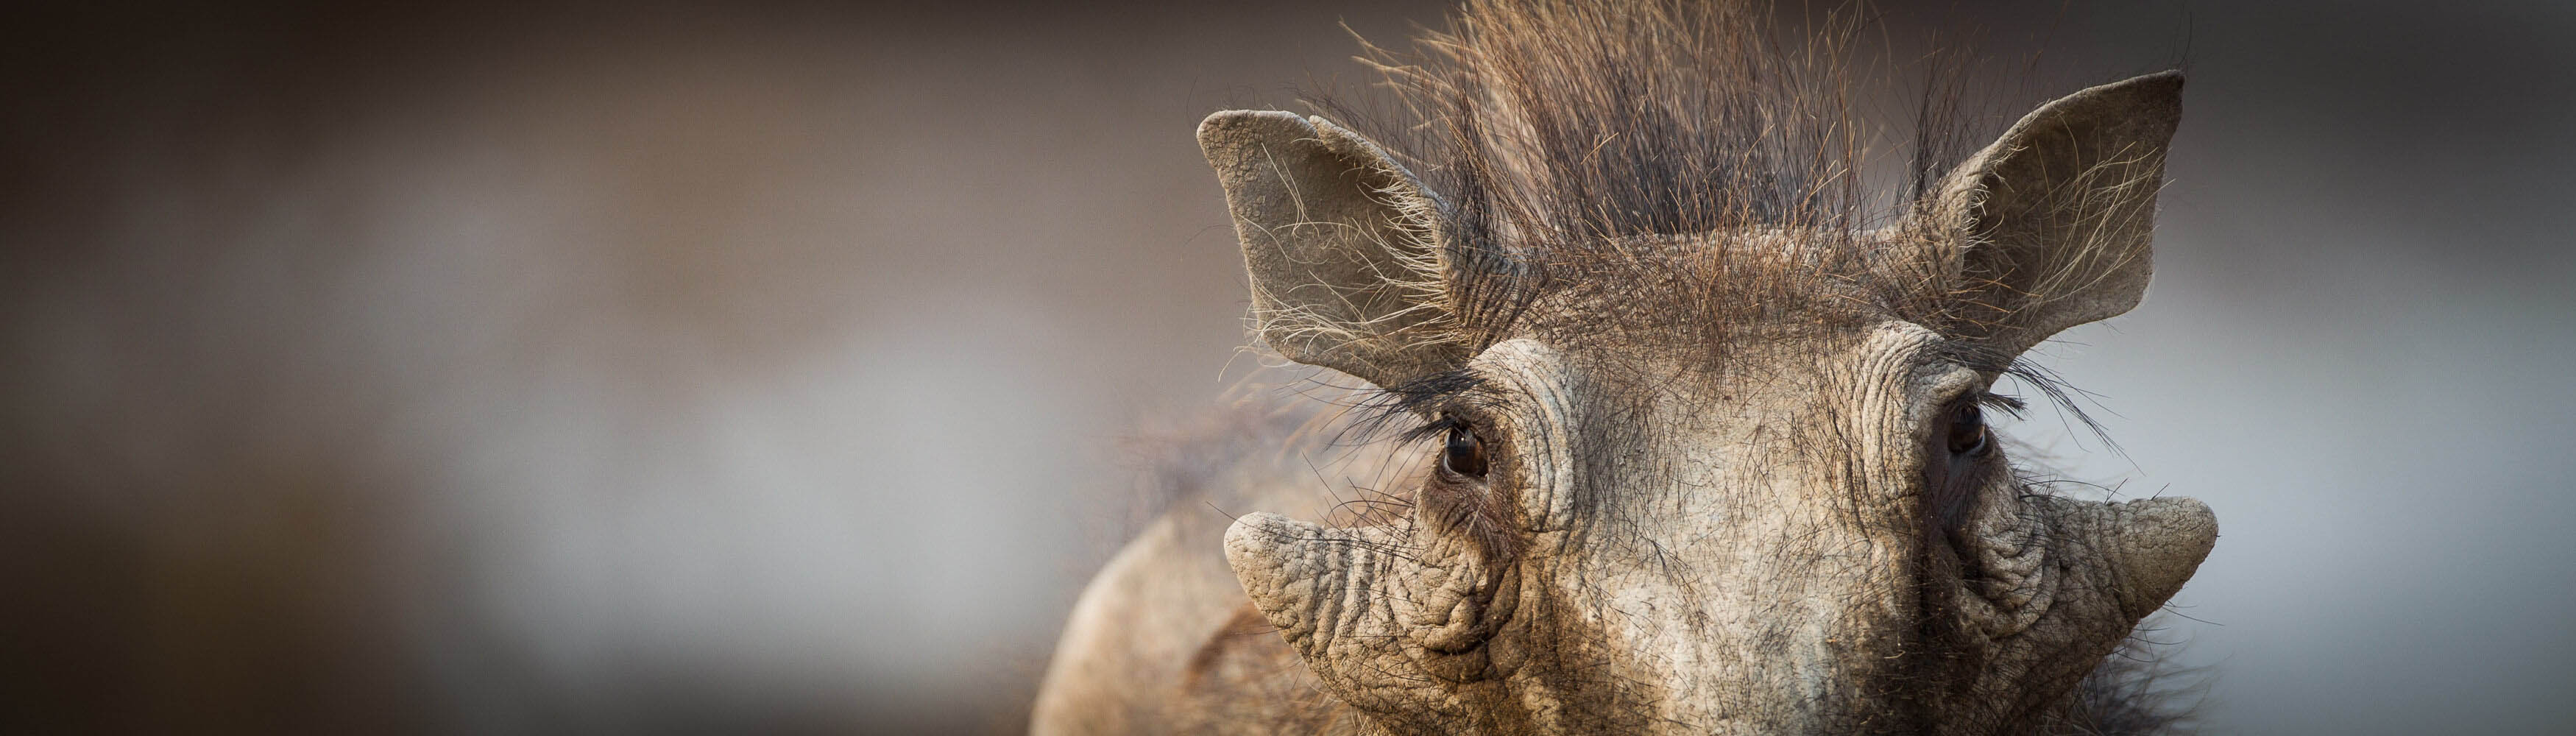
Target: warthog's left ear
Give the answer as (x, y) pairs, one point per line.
(1341, 243)
(2050, 227)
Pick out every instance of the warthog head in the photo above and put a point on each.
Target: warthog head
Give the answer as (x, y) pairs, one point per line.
(1706, 452)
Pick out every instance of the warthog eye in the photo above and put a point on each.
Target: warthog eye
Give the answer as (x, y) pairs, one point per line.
(1464, 453)
(1952, 481)
(1967, 430)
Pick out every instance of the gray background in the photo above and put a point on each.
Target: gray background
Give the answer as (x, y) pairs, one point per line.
(668, 367)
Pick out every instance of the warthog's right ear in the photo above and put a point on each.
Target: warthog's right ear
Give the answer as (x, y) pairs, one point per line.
(1342, 246)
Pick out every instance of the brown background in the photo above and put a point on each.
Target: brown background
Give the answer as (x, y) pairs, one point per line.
(669, 367)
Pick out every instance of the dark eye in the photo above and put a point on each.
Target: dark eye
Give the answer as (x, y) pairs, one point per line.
(1464, 453)
(1967, 430)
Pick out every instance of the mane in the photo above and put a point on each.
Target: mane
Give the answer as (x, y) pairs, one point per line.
(1558, 123)
(1662, 149)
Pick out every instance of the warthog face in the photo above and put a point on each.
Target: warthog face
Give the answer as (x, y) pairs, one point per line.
(1727, 481)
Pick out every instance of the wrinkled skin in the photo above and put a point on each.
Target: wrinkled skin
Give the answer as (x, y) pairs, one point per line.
(1766, 529)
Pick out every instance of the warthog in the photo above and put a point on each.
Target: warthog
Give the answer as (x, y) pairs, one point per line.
(1699, 411)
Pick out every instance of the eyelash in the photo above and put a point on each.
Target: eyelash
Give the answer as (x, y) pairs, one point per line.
(1437, 428)
(2010, 406)
(1436, 433)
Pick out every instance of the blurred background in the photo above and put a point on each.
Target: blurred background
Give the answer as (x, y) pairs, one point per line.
(643, 367)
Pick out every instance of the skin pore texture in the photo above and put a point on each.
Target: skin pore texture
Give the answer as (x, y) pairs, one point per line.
(1718, 468)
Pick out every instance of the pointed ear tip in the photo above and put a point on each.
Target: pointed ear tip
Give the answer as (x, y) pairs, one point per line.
(2166, 86)
(1223, 122)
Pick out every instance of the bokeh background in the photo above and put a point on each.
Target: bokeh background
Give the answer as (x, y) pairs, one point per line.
(647, 367)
